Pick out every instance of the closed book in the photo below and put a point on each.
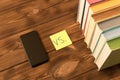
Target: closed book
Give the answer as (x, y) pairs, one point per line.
(81, 8)
(104, 5)
(103, 16)
(110, 54)
(94, 19)
(103, 26)
(98, 8)
(87, 12)
(103, 38)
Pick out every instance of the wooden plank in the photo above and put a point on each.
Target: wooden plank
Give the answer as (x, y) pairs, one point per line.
(7, 4)
(12, 52)
(112, 73)
(28, 15)
(64, 64)
(116, 78)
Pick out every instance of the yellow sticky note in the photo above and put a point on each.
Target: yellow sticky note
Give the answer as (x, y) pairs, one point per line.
(60, 40)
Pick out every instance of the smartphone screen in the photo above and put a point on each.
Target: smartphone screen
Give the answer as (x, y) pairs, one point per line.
(34, 48)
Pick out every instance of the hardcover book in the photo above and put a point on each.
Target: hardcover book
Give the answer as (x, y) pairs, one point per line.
(110, 54)
(93, 22)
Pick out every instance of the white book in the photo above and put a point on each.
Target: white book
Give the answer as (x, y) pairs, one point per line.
(110, 54)
(83, 8)
(103, 38)
(89, 32)
(104, 32)
(85, 15)
(80, 13)
(86, 25)
(96, 9)
(101, 17)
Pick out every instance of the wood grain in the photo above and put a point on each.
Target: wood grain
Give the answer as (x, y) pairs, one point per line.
(28, 15)
(8, 4)
(12, 52)
(47, 17)
(63, 65)
(112, 73)
(116, 78)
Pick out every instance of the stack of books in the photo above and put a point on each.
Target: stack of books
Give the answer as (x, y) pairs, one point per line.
(100, 23)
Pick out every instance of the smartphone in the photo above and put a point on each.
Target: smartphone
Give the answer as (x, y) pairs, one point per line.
(34, 48)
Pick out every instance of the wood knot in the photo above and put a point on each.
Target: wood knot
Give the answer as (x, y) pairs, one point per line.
(35, 11)
(65, 68)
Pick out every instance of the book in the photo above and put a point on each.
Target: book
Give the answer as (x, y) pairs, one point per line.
(92, 23)
(103, 27)
(98, 8)
(110, 54)
(103, 16)
(104, 5)
(87, 12)
(103, 38)
(81, 8)
(107, 14)
(100, 24)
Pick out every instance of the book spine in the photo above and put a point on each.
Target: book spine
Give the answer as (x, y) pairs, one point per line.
(108, 35)
(90, 31)
(95, 38)
(103, 56)
(99, 46)
(83, 13)
(97, 31)
(81, 7)
(87, 22)
(87, 13)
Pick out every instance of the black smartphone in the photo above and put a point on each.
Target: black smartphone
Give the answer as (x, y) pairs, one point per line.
(34, 48)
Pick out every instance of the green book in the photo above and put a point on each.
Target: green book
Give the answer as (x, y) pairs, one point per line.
(114, 44)
(110, 54)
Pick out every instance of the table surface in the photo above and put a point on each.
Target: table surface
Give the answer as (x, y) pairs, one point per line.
(74, 62)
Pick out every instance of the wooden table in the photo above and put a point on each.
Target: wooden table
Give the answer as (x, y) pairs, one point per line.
(74, 62)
